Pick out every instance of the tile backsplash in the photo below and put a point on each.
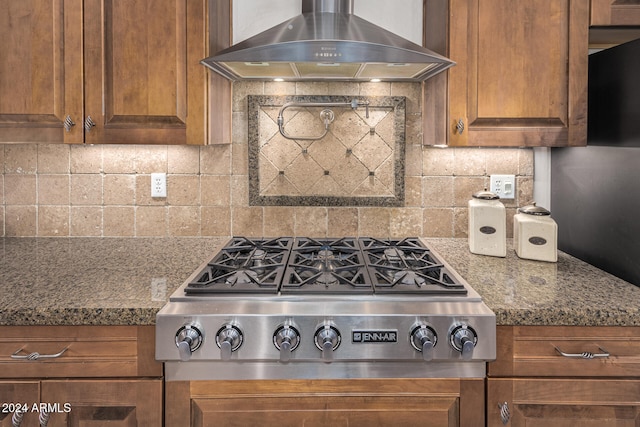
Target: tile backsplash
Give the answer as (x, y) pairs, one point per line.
(73, 190)
(326, 153)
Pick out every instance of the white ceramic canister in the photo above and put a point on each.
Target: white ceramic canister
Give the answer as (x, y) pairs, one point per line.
(487, 225)
(535, 234)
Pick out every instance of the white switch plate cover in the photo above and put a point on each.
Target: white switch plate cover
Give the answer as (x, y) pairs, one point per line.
(504, 186)
(158, 185)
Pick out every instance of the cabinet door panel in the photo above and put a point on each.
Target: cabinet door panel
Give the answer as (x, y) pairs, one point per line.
(521, 73)
(518, 70)
(560, 403)
(40, 70)
(353, 402)
(328, 410)
(105, 403)
(615, 12)
(18, 393)
(147, 86)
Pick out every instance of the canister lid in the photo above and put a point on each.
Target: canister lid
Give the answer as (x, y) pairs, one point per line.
(534, 210)
(486, 195)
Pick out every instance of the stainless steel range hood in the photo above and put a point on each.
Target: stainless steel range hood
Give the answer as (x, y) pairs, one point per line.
(327, 42)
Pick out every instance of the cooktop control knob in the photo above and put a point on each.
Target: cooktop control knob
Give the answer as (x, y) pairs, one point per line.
(424, 339)
(464, 339)
(228, 339)
(286, 339)
(188, 339)
(327, 339)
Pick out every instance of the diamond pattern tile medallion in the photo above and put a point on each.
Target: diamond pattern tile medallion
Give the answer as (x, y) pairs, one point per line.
(320, 151)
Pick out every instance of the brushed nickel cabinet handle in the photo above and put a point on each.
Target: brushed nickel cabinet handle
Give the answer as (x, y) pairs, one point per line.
(460, 126)
(584, 354)
(16, 419)
(505, 414)
(44, 418)
(88, 124)
(35, 355)
(68, 123)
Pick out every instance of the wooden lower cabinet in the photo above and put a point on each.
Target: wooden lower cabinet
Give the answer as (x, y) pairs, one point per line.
(76, 403)
(411, 402)
(535, 402)
(13, 396)
(116, 403)
(80, 376)
(595, 383)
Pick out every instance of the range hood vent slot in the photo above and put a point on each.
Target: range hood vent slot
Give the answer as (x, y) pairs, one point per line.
(327, 42)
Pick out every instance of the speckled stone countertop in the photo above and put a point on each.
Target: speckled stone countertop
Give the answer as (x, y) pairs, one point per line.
(94, 281)
(125, 281)
(524, 292)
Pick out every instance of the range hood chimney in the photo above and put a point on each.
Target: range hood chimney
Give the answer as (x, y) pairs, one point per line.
(327, 42)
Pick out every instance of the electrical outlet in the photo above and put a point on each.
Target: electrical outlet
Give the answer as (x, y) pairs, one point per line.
(504, 186)
(159, 289)
(158, 185)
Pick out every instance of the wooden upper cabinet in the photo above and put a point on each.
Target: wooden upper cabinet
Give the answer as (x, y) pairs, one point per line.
(130, 67)
(615, 12)
(40, 69)
(143, 80)
(521, 73)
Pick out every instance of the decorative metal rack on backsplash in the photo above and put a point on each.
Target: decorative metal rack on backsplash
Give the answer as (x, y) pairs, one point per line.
(327, 116)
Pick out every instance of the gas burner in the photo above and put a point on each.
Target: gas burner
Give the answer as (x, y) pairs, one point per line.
(393, 256)
(326, 265)
(244, 266)
(407, 266)
(242, 277)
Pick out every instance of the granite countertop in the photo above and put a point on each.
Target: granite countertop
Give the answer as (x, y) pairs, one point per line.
(125, 281)
(94, 281)
(525, 292)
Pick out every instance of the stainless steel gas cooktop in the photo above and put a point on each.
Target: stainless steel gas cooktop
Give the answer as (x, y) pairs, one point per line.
(324, 308)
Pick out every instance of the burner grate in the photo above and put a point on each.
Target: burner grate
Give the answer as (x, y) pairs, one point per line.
(244, 266)
(326, 265)
(407, 266)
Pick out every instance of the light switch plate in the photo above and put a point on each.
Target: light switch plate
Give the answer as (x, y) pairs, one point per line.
(504, 186)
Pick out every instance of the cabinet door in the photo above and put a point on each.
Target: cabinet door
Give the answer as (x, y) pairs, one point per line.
(143, 79)
(374, 402)
(365, 411)
(40, 70)
(615, 12)
(100, 403)
(22, 394)
(563, 403)
(521, 73)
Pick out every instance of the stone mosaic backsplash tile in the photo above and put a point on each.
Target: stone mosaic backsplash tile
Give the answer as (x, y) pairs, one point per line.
(326, 155)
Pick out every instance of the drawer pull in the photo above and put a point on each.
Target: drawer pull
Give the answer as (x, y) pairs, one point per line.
(44, 418)
(505, 414)
(35, 355)
(584, 354)
(16, 419)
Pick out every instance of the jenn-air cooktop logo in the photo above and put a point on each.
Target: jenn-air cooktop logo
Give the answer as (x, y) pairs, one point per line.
(374, 335)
